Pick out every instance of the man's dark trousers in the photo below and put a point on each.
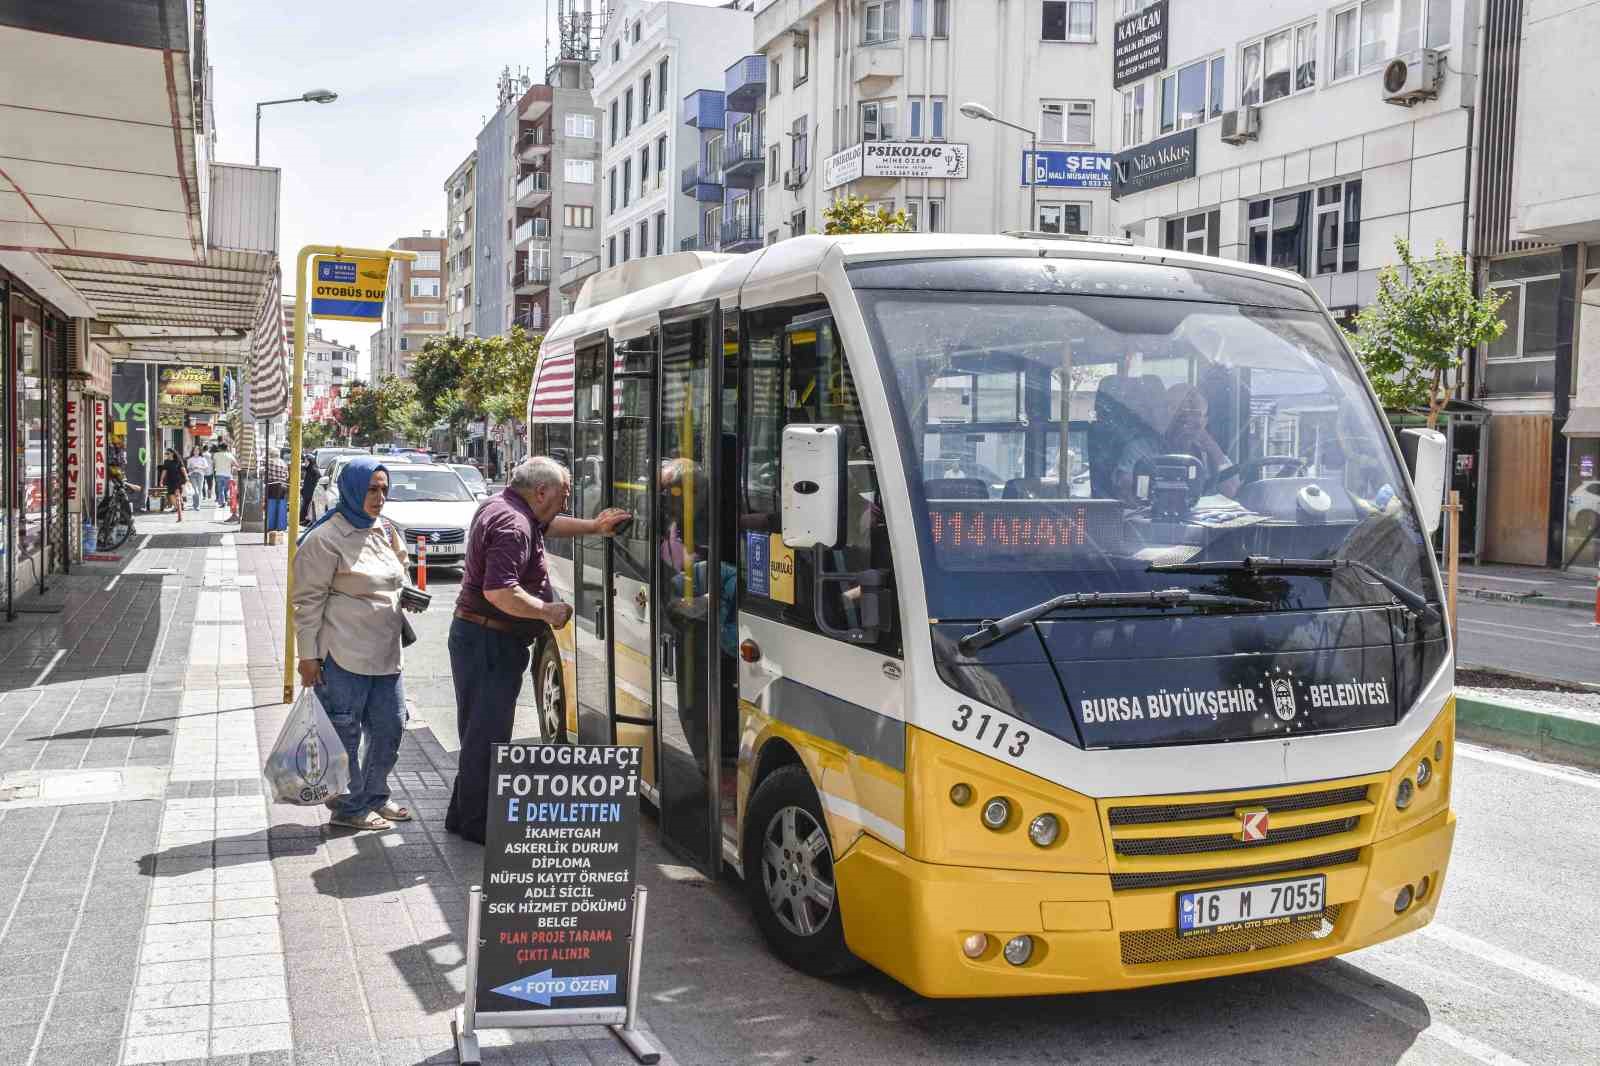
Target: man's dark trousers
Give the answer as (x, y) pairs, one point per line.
(488, 667)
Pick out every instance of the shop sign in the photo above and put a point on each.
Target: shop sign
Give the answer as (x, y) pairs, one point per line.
(1067, 170)
(1153, 165)
(100, 481)
(1139, 45)
(558, 877)
(183, 389)
(349, 289)
(74, 434)
(894, 159)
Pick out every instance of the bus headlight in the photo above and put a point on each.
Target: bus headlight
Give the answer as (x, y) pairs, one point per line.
(1044, 830)
(1019, 949)
(996, 813)
(1424, 772)
(1402, 795)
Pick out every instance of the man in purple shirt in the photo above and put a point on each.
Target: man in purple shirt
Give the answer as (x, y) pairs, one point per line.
(504, 604)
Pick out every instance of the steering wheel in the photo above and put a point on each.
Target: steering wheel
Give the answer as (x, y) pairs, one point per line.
(1254, 465)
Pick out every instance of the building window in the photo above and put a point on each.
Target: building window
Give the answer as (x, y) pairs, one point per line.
(429, 318)
(773, 159)
(941, 18)
(1521, 360)
(580, 126)
(914, 128)
(802, 60)
(714, 154)
(661, 86)
(1278, 65)
(644, 97)
(614, 121)
(800, 145)
(1068, 20)
(661, 231)
(1370, 33)
(1197, 233)
(935, 215)
(918, 18)
(1133, 116)
(775, 78)
(426, 262)
(1066, 121)
(580, 171)
(797, 222)
(636, 33)
(425, 287)
(713, 232)
(1338, 229)
(611, 251)
(1191, 95)
(616, 51)
(644, 237)
(644, 169)
(878, 120)
(577, 216)
(936, 111)
(914, 215)
(661, 158)
(1132, 7)
(611, 191)
(881, 22)
(1063, 217)
(627, 245)
(627, 112)
(627, 181)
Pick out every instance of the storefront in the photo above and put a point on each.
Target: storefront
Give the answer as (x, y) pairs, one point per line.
(33, 377)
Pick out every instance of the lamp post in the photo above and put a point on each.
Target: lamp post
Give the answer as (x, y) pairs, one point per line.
(315, 96)
(973, 109)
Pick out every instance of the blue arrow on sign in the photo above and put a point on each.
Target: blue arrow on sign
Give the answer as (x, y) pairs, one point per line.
(544, 986)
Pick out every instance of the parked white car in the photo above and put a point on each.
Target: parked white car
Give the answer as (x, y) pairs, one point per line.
(474, 479)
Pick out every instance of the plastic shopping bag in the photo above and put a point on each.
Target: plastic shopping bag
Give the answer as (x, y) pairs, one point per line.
(308, 764)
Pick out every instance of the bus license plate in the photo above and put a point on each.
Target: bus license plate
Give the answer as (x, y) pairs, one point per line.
(1251, 906)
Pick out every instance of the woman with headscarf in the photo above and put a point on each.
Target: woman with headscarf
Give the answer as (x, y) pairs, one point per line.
(310, 475)
(173, 478)
(348, 573)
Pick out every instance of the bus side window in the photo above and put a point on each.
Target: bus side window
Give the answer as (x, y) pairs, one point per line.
(797, 373)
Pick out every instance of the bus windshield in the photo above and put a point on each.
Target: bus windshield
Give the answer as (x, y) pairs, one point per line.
(1066, 425)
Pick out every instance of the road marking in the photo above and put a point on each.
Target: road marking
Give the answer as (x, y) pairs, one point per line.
(1559, 980)
(1508, 625)
(1529, 640)
(1419, 1020)
(55, 660)
(1517, 762)
(1518, 580)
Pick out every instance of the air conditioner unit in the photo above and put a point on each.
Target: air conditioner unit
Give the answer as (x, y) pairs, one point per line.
(793, 179)
(1412, 77)
(1241, 125)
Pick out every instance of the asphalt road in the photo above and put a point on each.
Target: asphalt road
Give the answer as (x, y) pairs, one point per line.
(1509, 973)
(1554, 642)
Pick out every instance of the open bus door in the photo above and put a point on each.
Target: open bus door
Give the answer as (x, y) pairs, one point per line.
(692, 587)
(591, 563)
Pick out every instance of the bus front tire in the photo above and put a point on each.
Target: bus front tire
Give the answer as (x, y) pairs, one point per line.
(789, 875)
(552, 693)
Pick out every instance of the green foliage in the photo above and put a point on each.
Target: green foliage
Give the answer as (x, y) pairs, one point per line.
(1411, 339)
(461, 379)
(853, 214)
(378, 414)
(314, 435)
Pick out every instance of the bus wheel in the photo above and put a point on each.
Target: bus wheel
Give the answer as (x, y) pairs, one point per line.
(788, 874)
(552, 694)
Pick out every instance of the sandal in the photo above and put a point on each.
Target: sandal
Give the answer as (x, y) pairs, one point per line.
(395, 812)
(369, 820)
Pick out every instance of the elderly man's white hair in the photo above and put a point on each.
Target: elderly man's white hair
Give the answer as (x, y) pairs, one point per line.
(538, 472)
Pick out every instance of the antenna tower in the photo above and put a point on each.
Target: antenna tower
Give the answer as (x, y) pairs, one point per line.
(581, 24)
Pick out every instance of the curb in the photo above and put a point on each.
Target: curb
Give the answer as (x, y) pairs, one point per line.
(1527, 599)
(1545, 732)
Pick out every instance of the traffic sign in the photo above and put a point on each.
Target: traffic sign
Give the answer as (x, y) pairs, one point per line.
(349, 288)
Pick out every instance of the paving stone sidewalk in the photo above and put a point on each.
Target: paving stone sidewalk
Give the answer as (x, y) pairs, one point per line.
(154, 907)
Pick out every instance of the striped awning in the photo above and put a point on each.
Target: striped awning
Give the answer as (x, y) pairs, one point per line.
(269, 380)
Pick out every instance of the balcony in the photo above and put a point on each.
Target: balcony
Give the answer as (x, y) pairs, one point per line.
(702, 182)
(579, 271)
(743, 162)
(704, 109)
(741, 234)
(534, 229)
(533, 146)
(874, 68)
(695, 244)
(531, 279)
(531, 320)
(533, 189)
(744, 84)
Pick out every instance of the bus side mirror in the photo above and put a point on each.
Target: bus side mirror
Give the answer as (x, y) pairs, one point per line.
(1424, 452)
(813, 464)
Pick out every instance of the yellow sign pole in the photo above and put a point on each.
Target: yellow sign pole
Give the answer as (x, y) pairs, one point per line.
(296, 409)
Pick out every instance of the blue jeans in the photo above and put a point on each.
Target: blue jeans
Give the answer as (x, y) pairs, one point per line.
(224, 487)
(487, 667)
(375, 705)
(277, 514)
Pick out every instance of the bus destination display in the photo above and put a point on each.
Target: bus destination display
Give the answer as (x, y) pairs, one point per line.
(558, 877)
(1019, 534)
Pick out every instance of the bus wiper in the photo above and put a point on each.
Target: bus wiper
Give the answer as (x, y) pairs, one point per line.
(1261, 564)
(993, 632)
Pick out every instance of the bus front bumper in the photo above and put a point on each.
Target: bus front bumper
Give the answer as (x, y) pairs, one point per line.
(910, 919)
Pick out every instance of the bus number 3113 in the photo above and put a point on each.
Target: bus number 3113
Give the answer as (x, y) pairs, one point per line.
(1019, 737)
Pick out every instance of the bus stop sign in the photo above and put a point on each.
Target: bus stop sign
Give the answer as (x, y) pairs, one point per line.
(349, 289)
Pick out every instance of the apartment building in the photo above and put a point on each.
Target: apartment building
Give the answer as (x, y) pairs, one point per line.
(651, 55)
(866, 100)
(330, 369)
(413, 306)
(460, 195)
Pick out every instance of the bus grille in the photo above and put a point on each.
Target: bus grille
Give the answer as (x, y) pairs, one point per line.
(1191, 812)
(1144, 946)
(1228, 842)
(1171, 878)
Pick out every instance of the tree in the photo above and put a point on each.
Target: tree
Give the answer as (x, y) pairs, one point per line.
(1411, 338)
(853, 214)
(377, 414)
(314, 435)
(463, 379)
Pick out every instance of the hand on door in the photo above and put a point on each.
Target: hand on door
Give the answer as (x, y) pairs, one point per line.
(607, 521)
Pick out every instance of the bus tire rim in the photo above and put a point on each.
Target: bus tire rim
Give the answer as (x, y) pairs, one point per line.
(550, 698)
(797, 871)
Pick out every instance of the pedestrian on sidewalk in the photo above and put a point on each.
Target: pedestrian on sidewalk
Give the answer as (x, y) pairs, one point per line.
(173, 478)
(348, 573)
(275, 476)
(199, 475)
(310, 474)
(505, 604)
(222, 466)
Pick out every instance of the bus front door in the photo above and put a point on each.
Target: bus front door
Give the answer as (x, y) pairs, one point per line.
(690, 591)
(633, 562)
(590, 562)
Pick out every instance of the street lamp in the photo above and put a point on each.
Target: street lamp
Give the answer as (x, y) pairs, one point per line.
(315, 96)
(973, 109)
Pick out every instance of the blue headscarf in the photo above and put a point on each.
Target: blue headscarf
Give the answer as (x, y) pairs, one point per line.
(354, 480)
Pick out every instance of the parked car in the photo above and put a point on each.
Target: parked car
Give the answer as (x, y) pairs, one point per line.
(474, 479)
(326, 456)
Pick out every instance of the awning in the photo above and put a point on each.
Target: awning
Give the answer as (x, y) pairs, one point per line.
(1582, 422)
(269, 359)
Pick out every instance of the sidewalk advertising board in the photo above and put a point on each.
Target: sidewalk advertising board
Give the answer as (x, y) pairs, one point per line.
(554, 930)
(186, 389)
